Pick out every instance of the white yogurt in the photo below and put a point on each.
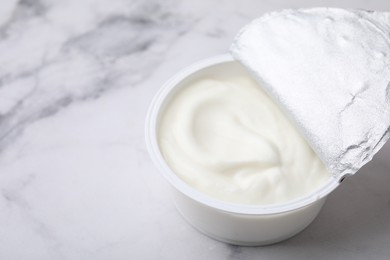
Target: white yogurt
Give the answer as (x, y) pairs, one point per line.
(227, 139)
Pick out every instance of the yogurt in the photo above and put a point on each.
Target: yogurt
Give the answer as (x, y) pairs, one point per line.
(229, 140)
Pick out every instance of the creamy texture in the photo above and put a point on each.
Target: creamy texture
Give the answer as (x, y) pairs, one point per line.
(330, 70)
(229, 140)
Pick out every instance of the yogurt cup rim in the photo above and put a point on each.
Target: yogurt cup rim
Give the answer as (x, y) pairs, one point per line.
(182, 186)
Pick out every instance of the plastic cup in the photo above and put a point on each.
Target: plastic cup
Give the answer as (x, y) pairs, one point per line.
(249, 225)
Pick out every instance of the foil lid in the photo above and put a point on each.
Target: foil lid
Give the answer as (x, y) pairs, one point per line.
(329, 69)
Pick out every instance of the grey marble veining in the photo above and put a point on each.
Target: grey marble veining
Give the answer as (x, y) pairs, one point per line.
(47, 67)
(76, 78)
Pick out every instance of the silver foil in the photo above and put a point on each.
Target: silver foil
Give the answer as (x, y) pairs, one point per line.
(329, 69)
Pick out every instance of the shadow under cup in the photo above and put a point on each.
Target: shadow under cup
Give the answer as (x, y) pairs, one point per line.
(249, 225)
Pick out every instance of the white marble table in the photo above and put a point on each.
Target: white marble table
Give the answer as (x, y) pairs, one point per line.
(76, 182)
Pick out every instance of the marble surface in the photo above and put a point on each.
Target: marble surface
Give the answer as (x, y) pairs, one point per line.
(76, 182)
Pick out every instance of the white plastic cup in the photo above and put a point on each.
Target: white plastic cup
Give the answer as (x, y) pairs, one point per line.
(237, 224)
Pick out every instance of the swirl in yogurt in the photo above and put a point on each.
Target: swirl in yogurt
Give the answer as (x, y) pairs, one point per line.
(229, 140)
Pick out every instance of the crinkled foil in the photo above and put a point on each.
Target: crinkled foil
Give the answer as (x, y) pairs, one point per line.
(329, 69)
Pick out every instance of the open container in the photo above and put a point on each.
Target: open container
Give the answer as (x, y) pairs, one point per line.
(249, 225)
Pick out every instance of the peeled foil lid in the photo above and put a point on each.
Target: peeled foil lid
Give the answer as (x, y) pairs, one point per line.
(329, 69)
